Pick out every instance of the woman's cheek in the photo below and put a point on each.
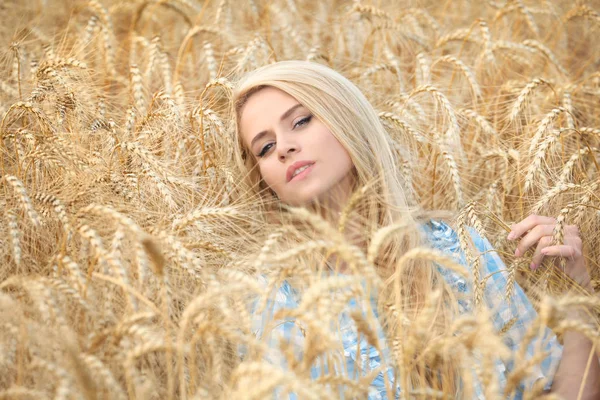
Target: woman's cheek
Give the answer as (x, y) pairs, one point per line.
(268, 175)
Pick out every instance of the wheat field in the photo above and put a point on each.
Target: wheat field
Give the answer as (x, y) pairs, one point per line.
(128, 252)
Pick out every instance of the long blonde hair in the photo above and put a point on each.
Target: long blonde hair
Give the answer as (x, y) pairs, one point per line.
(350, 117)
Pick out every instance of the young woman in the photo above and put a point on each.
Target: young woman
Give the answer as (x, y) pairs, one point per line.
(307, 137)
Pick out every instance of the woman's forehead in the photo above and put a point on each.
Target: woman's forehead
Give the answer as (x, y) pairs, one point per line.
(264, 107)
(266, 94)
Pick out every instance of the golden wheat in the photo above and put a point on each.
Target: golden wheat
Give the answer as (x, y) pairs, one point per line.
(132, 258)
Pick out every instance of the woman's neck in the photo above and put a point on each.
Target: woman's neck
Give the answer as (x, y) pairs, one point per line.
(352, 230)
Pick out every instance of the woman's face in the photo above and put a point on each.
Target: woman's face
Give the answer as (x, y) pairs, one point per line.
(297, 155)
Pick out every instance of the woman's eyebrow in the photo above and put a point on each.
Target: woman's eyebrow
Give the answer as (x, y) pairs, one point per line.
(289, 112)
(283, 117)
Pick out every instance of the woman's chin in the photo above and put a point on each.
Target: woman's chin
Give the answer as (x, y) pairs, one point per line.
(296, 202)
(299, 199)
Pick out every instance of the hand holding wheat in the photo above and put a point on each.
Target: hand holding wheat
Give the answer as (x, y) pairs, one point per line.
(542, 231)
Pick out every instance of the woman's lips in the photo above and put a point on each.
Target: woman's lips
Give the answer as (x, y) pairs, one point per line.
(303, 174)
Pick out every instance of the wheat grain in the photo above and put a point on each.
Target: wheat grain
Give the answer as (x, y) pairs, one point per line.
(210, 60)
(543, 127)
(380, 236)
(102, 371)
(58, 207)
(187, 260)
(182, 222)
(487, 52)
(74, 272)
(428, 19)
(107, 36)
(473, 261)
(547, 53)
(397, 121)
(463, 35)
(492, 202)
(453, 133)
(35, 111)
(165, 68)
(528, 18)
(454, 176)
(581, 10)
(524, 95)
(559, 231)
(560, 188)
(538, 157)
(589, 131)
(395, 64)
(90, 30)
(483, 123)
(583, 203)
(565, 174)
(368, 11)
(568, 106)
(17, 392)
(510, 280)
(413, 105)
(72, 294)
(476, 90)
(15, 235)
(423, 73)
(137, 92)
(63, 384)
(24, 199)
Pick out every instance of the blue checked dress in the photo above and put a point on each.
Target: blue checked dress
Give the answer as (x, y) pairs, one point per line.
(517, 313)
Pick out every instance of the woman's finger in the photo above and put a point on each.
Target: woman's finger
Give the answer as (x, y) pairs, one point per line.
(575, 267)
(532, 237)
(574, 241)
(538, 256)
(571, 230)
(562, 250)
(518, 229)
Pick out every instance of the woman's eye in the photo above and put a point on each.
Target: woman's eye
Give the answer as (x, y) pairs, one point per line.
(303, 121)
(268, 146)
(265, 149)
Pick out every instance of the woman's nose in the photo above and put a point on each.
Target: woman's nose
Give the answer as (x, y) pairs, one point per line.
(286, 148)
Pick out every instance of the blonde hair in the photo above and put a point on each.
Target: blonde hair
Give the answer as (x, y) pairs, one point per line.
(350, 117)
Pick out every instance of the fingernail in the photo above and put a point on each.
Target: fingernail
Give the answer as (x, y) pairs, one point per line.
(511, 236)
(517, 253)
(533, 266)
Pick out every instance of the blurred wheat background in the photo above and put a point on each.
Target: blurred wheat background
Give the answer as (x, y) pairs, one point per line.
(127, 258)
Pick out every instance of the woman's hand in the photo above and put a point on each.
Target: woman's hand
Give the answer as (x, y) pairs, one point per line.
(539, 230)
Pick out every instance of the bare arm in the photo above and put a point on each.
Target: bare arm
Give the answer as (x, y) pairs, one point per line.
(579, 361)
(578, 373)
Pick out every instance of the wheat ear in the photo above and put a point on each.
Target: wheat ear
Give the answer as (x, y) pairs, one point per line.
(24, 199)
(524, 95)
